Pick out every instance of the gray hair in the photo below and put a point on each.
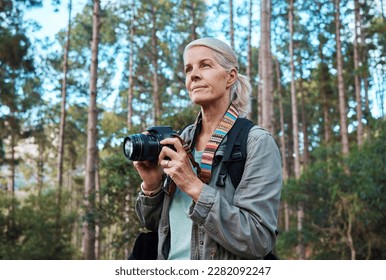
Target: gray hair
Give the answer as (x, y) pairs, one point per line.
(226, 57)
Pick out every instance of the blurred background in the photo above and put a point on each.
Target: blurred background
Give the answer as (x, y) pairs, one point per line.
(76, 77)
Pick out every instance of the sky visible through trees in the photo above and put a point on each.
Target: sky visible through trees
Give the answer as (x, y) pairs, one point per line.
(328, 183)
(53, 19)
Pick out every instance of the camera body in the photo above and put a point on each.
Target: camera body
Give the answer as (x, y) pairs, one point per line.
(141, 147)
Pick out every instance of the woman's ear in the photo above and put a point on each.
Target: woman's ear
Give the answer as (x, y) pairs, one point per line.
(232, 78)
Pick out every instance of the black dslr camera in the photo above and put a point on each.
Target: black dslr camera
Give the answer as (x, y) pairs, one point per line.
(140, 147)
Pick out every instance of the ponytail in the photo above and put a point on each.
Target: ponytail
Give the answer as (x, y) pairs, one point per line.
(241, 95)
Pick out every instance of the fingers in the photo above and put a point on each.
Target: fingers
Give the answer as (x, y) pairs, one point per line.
(165, 163)
(172, 157)
(173, 141)
(144, 164)
(168, 152)
(150, 172)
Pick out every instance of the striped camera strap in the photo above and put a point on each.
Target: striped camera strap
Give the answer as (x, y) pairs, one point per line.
(224, 126)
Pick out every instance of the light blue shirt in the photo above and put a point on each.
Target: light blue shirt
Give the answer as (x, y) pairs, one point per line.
(180, 222)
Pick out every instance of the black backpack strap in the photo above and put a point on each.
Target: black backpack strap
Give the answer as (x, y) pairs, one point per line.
(235, 154)
(233, 161)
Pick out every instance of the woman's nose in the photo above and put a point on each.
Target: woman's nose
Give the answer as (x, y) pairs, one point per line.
(195, 75)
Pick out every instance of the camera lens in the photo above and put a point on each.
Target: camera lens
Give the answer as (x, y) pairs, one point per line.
(140, 147)
(132, 146)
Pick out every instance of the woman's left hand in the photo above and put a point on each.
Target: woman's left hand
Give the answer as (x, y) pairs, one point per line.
(177, 165)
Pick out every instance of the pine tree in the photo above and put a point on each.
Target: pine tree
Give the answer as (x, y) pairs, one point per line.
(91, 160)
(341, 87)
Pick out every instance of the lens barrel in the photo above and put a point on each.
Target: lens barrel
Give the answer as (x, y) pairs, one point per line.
(140, 147)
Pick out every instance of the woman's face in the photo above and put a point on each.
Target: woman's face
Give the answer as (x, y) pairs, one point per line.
(207, 82)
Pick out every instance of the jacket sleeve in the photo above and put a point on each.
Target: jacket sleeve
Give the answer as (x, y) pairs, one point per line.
(149, 210)
(246, 226)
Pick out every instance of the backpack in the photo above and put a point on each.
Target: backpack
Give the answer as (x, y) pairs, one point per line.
(233, 160)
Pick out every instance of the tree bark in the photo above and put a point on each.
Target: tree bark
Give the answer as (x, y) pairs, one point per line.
(282, 143)
(249, 40)
(260, 89)
(89, 203)
(295, 132)
(323, 89)
(192, 11)
(341, 89)
(266, 65)
(249, 49)
(63, 123)
(294, 107)
(365, 73)
(231, 25)
(156, 95)
(304, 118)
(40, 173)
(357, 82)
(131, 63)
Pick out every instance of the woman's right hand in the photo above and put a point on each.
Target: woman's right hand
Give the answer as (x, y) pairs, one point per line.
(150, 172)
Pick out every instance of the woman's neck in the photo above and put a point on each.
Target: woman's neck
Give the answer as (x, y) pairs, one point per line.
(210, 120)
(212, 115)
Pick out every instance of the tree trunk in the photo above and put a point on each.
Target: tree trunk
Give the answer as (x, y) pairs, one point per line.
(304, 129)
(342, 98)
(365, 75)
(40, 172)
(131, 63)
(358, 96)
(249, 49)
(192, 11)
(12, 126)
(326, 116)
(231, 25)
(304, 118)
(294, 107)
(249, 40)
(349, 237)
(98, 229)
(260, 89)
(11, 181)
(271, 78)
(348, 216)
(282, 143)
(266, 65)
(295, 132)
(63, 123)
(89, 223)
(156, 95)
(323, 89)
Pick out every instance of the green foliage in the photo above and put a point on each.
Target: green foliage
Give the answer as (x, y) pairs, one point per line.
(118, 194)
(29, 229)
(339, 204)
(19, 44)
(183, 118)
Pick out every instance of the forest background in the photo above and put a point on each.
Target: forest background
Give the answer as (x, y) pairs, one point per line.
(318, 75)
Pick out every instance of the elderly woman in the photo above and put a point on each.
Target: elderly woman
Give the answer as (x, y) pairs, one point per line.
(201, 220)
